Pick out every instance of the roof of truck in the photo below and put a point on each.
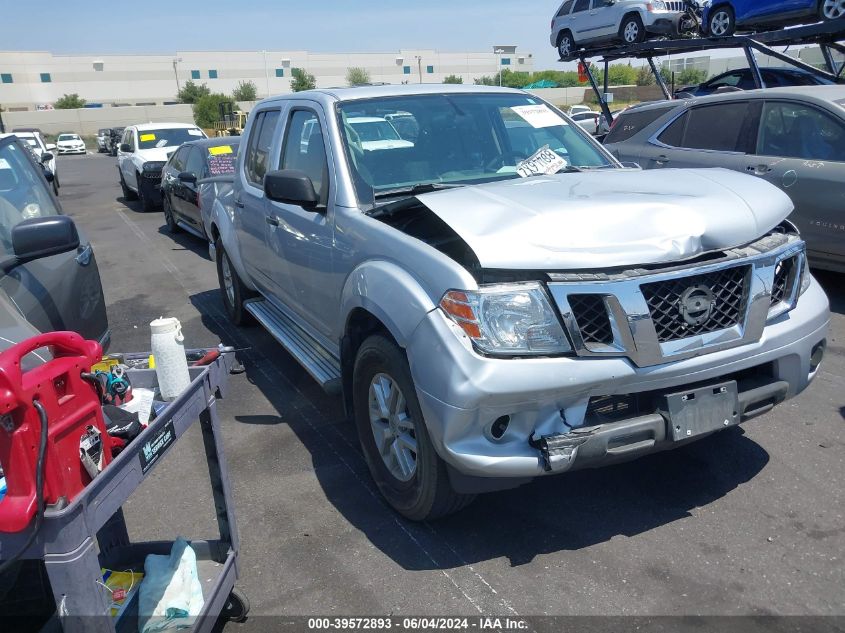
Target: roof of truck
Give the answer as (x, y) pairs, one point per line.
(371, 92)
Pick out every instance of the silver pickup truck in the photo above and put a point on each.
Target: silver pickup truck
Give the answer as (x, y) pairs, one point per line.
(496, 298)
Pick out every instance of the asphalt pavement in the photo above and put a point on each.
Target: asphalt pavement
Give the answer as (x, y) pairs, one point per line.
(747, 522)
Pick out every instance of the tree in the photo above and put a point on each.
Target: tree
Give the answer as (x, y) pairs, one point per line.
(69, 102)
(453, 79)
(207, 109)
(191, 92)
(357, 76)
(486, 81)
(621, 75)
(302, 80)
(645, 77)
(690, 77)
(245, 91)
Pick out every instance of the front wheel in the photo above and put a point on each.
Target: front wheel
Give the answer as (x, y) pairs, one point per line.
(393, 436)
(147, 204)
(128, 194)
(632, 31)
(232, 288)
(832, 9)
(722, 22)
(167, 207)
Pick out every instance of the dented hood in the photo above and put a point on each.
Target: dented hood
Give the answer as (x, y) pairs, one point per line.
(608, 218)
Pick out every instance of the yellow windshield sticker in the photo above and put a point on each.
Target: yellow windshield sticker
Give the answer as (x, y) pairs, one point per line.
(148, 137)
(220, 149)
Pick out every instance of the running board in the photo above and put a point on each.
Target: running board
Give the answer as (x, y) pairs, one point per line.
(316, 360)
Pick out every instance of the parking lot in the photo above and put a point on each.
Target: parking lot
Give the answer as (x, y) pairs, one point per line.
(749, 521)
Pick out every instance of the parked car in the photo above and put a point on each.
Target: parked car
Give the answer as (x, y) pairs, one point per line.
(588, 121)
(647, 309)
(40, 150)
(144, 150)
(102, 135)
(793, 138)
(581, 22)
(724, 17)
(113, 140)
(578, 109)
(69, 143)
(197, 177)
(742, 79)
(49, 278)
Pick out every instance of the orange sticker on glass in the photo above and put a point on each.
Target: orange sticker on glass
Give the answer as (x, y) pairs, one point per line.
(147, 137)
(220, 149)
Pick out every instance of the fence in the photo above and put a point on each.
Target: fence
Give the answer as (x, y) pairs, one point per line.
(88, 120)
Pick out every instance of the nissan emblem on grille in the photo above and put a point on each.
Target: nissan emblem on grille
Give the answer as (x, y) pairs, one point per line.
(696, 304)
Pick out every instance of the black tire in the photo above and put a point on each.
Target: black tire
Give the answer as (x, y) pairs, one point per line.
(830, 10)
(428, 493)
(147, 204)
(722, 22)
(128, 194)
(234, 305)
(236, 607)
(167, 207)
(565, 45)
(632, 31)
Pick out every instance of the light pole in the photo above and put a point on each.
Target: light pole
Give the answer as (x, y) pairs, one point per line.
(176, 60)
(499, 52)
(419, 66)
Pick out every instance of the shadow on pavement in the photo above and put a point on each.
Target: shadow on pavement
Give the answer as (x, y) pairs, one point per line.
(832, 284)
(186, 240)
(567, 512)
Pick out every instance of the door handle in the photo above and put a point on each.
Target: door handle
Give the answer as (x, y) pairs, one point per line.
(759, 169)
(272, 220)
(662, 159)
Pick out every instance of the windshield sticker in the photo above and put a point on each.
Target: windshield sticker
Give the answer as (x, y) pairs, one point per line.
(4, 164)
(539, 116)
(147, 137)
(222, 165)
(162, 142)
(195, 132)
(544, 162)
(220, 149)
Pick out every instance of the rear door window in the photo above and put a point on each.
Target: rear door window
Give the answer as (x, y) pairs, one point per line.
(581, 5)
(631, 123)
(716, 127)
(673, 136)
(795, 130)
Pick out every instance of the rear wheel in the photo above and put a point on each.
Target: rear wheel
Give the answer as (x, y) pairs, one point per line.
(394, 439)
(632, 31)
(565, 45)
(832, 9)
(722, 22)
(232, 289)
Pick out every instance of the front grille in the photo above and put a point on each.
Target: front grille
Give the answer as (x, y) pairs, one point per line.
(151, 175)
(664, 298)
(675, 5)
(784, 279)
(591, 315)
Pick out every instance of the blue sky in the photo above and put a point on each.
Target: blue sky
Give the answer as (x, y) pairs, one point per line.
(163, 26)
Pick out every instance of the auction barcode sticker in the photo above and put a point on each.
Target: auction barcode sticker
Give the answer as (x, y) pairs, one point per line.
(543, 162)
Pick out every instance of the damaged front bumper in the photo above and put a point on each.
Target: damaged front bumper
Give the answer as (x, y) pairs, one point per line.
(555, 410)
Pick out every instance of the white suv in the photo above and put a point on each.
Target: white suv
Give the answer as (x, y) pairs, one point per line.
(579, 22)
(144, 150)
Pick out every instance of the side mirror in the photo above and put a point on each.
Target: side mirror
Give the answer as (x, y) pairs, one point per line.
(50, 147)
(126, 147)
(42, 237)
(46, 157)
(291, 186)
(187, 176)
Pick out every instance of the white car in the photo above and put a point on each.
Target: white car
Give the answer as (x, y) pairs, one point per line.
(71, 144)
(578, 109)
(39, 149)
(143, 152)
(587, 121)
(580, 22)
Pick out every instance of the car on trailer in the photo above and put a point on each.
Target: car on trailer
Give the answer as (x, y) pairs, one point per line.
(793, 138)
(743, 79)
(723, 18)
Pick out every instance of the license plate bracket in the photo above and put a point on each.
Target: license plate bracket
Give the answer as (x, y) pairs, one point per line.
(701, 410)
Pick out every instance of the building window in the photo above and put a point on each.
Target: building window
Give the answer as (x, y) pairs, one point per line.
(6, 78)
(195, 74)
(280, 72)
(45, 78)
(506, 61)
(212, 74)
(406, 70)
(429, 70)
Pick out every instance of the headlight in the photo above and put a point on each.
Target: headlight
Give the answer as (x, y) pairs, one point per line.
(806, 277)
(154, 166)
(657, 5)
(509, 320)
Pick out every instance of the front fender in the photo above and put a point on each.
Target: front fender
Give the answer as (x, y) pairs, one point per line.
(390, 293)
(220, 218)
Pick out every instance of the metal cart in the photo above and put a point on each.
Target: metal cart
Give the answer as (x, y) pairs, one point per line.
(66, 542)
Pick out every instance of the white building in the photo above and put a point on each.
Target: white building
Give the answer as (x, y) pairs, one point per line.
(32, 79)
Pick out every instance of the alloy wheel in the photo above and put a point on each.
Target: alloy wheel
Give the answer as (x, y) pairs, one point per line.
(565, 46)
(228, 283)
(720, 23)
(632, 32)
(393, 427)
(833, 9)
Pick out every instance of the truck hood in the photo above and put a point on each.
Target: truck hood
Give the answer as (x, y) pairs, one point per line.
(609, 218)
(156, 153)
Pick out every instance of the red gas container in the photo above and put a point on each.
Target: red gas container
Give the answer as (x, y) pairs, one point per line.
(72, 405)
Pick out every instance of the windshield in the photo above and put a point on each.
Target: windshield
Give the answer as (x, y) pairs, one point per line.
(458, 139)
(23, 193)
(374, 130)
(172, 137)
(68, 137)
